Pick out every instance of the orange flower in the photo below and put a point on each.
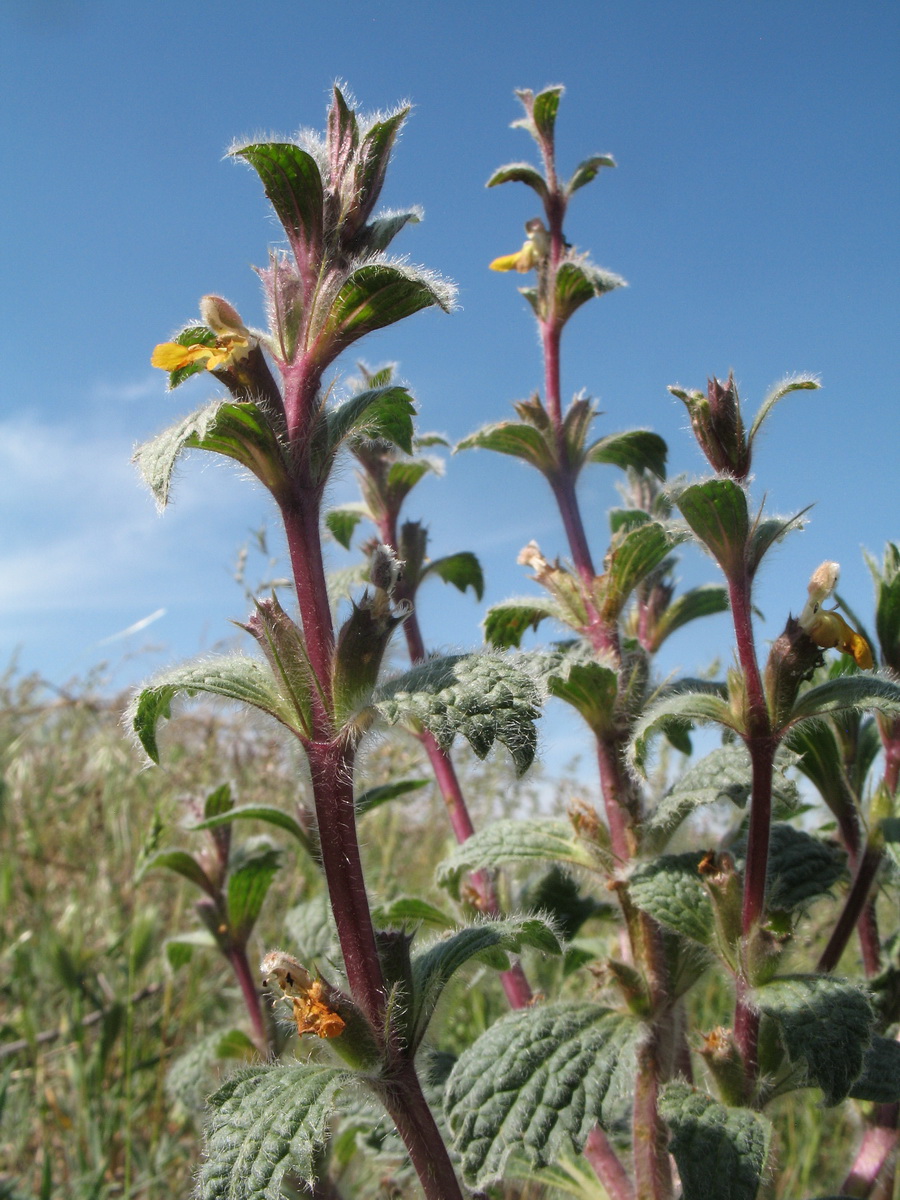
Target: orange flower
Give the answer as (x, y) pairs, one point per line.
(826, 626)
(308, 996)
(231, 345)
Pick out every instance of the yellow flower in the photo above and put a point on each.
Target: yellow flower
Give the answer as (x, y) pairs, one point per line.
(535, 248)
(826, 626)
(231, 345)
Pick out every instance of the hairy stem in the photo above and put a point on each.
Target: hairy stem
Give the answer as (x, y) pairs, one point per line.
(652, 1168)
(405, 1102)
(331, 766)
(237, 957)
(600, 1153)
(762, 745)
(853, 912)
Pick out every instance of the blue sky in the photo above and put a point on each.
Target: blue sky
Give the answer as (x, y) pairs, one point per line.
(753, 212)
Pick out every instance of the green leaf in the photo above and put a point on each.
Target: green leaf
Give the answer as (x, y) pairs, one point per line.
(284, 647)
(411, 909)
(517, 840)
(721, 1152)
(636, 448)
(232, 677)
(375, 796)
(793, 383)
(879, 1081)
(630, 560)
(482, 697)
(847, 693)
(544, 110)
(311, 929)
(703, 601)
(463, 570)
(264, 1122)
(887, 603)
(247, 887)
(520, 173)
(671, 891)
(259, 812)
(591, 688)
(384, 412)
(588, 170)
(800, 868)
(766, 533)
(723, 774)
(506, 624)
(378, 234)
(697, 702)
(434, 965)
(373, 156)
(179, 949)
(716, 511)
(238, 430)
(341, 522)
(824, 1025)
(538, 1081)
(516, 439)
(183, 864)
(580, 281)
(378, 294)
(293, 184)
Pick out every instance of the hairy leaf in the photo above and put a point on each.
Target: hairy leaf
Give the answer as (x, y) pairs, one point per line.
(238, 430)
(723, 774)
(538, 1081)
(793, 383)
(517, 840)
(311, 929)
(520, 173)
(248, 885)
(435, 965)
(410, 909)
(579, 281)
(800, 869)
(384, 412)
(847, 693)
(824, 1025)
(517, 439)
(259, 812)
(632, 557)
(639, 449)
(463, 570)
(721, 1152)
(887, 603)
(342, 522)
(587, 170)
(697, 702)
(183, 864)
(378, 294)
(264, 1122)
(232, 677)
(880, 1077)
(482, 697)
(293, 184)
(375, 796)
(703, 601)
(671, 891)
(506, 624)
(716, 511)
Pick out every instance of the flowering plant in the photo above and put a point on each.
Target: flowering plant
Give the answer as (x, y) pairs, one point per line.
(603, 1082)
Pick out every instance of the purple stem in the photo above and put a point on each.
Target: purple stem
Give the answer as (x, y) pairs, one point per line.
(855, 909)
(762, 745)
(878, 1144)
(599, 1152)
(404, 1100)
(237, 957)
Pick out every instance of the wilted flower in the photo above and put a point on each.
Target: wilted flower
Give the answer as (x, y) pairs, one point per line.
(825, 626)
(308, 996)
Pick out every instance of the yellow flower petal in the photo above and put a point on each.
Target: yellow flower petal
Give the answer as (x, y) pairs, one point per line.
(506, 262)
(830, 631)
(170, 356)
